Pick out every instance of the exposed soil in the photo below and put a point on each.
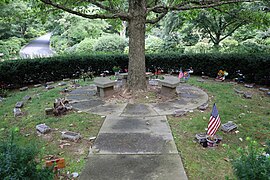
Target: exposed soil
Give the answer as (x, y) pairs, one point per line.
(151, 95)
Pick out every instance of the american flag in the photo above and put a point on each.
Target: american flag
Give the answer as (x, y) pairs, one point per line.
(214, 122)
(180, 74)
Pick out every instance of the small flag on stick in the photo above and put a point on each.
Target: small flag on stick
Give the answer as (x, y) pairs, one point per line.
(180, 74)
(214, 122)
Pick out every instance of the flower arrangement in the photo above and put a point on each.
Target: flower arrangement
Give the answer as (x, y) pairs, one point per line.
(116, 68)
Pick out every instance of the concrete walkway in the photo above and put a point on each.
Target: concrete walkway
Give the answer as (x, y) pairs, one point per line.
(135, 141)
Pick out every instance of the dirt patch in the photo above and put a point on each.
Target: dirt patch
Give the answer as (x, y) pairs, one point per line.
(151, 95)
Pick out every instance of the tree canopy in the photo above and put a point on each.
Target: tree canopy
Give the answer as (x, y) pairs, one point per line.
(137, 13)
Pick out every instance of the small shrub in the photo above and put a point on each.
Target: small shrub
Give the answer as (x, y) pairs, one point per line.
(18, 162)
(253, 163)
(200, 47)
(229, 45)
(110, 43)
(86, 45)
(251, 46)
(153, 44)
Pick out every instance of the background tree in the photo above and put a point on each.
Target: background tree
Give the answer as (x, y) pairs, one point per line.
(221, 22)
(18, 24)
(137, 13)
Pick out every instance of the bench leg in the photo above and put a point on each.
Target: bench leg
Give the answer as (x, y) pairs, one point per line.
(105, 92)
(168, 91)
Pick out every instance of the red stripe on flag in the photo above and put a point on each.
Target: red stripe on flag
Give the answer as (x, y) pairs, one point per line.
(213, 126)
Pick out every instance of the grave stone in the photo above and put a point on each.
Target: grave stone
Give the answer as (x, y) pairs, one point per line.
(27, 98)
(17, 112)
(49, 87)
(264, 89)
(268, 93)
(49, 83)
(1, 99)
(202, 139)
(178, 113)
(201, 80)
(49, 111)
(19, 104)
(228, 127)
(37, 85)
(249, 85)
(153, 82)
(203, 107)
(62, 84)
(247, 95)
(205, 77)
(23, 88)
(75, 85)
(71, 136)
(66, 79)
(65, 90)
(238, 91)
(43, 128)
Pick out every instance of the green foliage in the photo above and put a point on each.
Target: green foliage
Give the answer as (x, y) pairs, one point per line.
(255, 67)
(19, 162)
(86, 46)
(229, 45)
(71, 30)
(3, 92)
(253, 163)
(251, 46)
(11, 47)
(110, 43)
(18, 19)
(153, 44)
(200, 47)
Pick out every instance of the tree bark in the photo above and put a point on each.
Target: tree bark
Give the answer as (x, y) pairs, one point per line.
(136, 27)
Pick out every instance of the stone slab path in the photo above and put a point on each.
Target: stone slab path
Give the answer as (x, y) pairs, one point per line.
(135, 141)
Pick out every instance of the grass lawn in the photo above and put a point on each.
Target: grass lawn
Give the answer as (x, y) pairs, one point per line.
(251, 115)
(74, 153)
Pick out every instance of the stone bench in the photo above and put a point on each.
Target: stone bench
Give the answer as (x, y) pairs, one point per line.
(105, 86)
(168, 86)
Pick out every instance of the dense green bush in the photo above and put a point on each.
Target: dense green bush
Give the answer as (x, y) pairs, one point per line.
(18, 162)
(11, 47)
(86, 45)
(153, 44)
(110, 43)
(256, 67)
(200, 47)
(253, 163)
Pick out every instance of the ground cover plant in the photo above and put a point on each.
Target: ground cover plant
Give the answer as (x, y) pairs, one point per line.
(251, 115)
(49, 145)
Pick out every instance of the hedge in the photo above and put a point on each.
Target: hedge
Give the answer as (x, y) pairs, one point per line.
(17, 73)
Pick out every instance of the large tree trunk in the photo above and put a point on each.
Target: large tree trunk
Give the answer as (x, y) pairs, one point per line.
(136, 29)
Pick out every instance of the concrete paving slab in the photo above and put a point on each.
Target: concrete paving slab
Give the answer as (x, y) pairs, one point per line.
(134, 167)
(135, 143)
(86, 105)
(86, 90)
(154, 125)
(139, 110)
(108, 109)
(80, 97)
(166, 108)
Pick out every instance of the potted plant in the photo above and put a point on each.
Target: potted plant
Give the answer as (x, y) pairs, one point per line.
(116, 70)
